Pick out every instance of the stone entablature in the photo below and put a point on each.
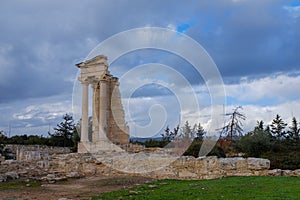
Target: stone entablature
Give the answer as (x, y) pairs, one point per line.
(108, 118)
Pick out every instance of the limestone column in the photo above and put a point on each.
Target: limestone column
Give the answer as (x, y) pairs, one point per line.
(85, 112)
(95, 112)
(103, 109)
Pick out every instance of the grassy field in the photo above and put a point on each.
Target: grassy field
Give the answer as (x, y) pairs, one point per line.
(225, 188)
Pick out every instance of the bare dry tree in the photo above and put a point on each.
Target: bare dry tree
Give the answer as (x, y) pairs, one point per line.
(234, 126)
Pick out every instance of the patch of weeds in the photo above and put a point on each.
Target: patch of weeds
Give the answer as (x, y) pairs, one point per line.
(19, 184)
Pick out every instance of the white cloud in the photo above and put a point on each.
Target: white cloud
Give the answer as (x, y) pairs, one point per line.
(251, 94)
(43, 112)
(268, 113)
(280, 88)
(148, 116)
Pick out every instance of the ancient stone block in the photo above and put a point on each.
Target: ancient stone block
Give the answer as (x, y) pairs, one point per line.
(275, 172)
(258, 163)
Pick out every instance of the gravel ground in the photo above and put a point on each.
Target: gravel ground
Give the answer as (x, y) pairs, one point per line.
(83, 188)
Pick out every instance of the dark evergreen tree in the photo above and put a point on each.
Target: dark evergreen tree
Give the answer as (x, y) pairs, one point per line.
(260, 130)
(64, 132)
(169, 135)
(293, 132)
(176, 131)
(267, 129)
(259, 126)
(166, 136)
(187, 131)
(256, 142)
(277, 127)
(200, 132)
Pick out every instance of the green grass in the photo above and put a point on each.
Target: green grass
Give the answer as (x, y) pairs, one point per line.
(18, 184)
(225, 188)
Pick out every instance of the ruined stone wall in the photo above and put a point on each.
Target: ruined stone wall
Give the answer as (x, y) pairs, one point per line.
(36, 152)
(68, 165)
(118, 130)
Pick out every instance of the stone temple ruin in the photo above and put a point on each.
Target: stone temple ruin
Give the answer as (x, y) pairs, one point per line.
(107, 158)
(108, 123)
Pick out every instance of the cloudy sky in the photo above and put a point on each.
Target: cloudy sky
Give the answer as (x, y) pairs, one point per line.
(255, 45)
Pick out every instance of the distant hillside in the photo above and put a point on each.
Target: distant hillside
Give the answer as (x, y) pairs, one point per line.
(139, 139)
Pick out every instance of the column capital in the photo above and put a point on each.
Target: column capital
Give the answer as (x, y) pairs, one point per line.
(103, 81)
(105, 77)
(83, 81)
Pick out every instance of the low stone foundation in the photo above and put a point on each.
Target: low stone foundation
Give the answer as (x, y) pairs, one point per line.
(62, 166)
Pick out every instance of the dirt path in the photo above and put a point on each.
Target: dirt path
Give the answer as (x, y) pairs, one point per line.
(83, 188)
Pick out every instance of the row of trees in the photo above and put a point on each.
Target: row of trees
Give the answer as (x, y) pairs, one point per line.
(277, 128)
(233, 130)
(196, 131)
(65, 135)
(274, 142)
(277, 141)
(188, 132)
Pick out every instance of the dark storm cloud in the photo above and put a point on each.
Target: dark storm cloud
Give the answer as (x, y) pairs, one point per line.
(39, 59)
(251, 37)
(40, 41)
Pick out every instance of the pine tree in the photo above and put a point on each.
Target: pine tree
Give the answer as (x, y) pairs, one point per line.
(268, 130)
(258, 129)
(294, 130)
(169, 135)
(166, 135)
(187, 130)
(259, 126)
(200, 132)
(176, 131)
(277, 127)
(64, 132)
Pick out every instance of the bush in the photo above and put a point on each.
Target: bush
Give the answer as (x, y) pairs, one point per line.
(288, 160)
(282, 153)
(155, 143)
(194, 149)
(255, 145)
(217, 151)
